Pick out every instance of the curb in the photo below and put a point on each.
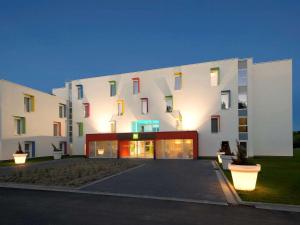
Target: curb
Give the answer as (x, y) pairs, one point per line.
(258, 205)
(76, 191)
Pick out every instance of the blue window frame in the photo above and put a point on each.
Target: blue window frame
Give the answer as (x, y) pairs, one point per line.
(79, 91)
(145, 126)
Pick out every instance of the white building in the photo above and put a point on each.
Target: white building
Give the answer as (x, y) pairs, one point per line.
(183, 111)
(32, 118)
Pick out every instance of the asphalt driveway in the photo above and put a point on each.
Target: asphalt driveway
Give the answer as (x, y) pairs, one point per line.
(181, 179)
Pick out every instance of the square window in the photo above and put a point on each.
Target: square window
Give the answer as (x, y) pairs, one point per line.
(225, 100)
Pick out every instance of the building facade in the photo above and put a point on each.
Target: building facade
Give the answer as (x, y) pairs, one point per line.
(182, 112)
(32, 118)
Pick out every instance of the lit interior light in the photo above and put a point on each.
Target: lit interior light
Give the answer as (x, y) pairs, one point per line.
(100, 151)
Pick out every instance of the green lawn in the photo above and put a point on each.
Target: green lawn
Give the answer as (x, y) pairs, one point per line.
(278, 181)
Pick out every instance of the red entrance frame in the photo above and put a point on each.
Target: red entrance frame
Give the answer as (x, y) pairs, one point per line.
(155, 136)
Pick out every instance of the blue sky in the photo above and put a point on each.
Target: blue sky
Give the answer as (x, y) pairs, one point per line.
(45, 43)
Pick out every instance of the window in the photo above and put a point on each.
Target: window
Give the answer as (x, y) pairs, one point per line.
(20, 125)
(79, 91)
(215, 124)
(80, 129)
(86, 109)
(145, 126)
(113, 88)
(243, 124)
(225, 99)
(56, 129)
(144, 104)
(120, 104)
(62, 111)
(178, 81)
(214, 76)
(169, 103)
(28, 103)
(113, 126)
(136, 85)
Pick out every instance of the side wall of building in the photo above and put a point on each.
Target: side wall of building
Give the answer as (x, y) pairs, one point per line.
(272, 108)
(39, 123)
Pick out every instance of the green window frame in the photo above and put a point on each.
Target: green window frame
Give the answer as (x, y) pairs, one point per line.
(80, 129)
(113, 88)
(20, 126)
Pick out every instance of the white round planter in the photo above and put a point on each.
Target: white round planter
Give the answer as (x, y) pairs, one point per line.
(226, 159)
(20, 158)
(219, 156)
(244, 176)
(57, 155)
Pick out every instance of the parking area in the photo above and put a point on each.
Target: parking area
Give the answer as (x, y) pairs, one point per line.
(180, 179)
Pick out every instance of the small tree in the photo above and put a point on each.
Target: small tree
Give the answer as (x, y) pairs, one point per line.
(19, 151)
(55, 149)
(241, 155)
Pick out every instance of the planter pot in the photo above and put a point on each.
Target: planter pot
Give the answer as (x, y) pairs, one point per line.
(226, 159)
(219, 156)
(20, 158)
(57, 155)
(244, 176)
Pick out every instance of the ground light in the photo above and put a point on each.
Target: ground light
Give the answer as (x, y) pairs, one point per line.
(244, 176)
(20, 158)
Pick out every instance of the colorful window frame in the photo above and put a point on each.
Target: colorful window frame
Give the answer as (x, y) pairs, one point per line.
(177, 81)
(215, 118)
(56, 128)
(136, 81)
(144, 108)
(113, 88)
(20, 125)
(214, 76)
(79, 91)
(29, 99)
(86, 110)
(80, 129)
(169, 107)
(120, 107)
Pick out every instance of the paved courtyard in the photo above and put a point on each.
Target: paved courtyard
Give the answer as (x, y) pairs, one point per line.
(183, 179)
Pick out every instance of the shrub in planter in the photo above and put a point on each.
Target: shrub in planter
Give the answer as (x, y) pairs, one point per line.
(57, 153)
(222, 150)
(20, 156)
(227, 157)
(244, 174)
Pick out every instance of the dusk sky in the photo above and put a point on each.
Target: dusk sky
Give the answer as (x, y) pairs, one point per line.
(45, 43)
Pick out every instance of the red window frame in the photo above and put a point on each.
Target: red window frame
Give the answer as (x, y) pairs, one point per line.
(59, 128)
(138, 80)
(86, 109)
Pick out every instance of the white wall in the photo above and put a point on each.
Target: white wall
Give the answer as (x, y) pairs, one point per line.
(272, 108)
(39, 124)
(197, 101)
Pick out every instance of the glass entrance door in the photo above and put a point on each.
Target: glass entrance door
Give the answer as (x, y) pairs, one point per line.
(142, 149)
